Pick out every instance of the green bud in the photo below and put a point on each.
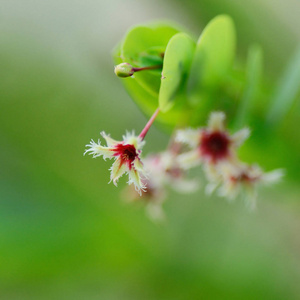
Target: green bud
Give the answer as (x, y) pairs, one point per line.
(124, 70)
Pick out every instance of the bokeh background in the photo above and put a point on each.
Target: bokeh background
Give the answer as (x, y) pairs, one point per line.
(64, 232)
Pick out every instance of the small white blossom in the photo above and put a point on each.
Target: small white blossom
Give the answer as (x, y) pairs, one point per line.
(244, 179)
(212, 144)
(164, 170)
(127, 158)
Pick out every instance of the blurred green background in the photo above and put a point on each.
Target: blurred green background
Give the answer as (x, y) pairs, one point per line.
(64, 233)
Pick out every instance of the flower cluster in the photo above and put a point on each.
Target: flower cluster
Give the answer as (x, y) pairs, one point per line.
(216, 150)
(211, 147)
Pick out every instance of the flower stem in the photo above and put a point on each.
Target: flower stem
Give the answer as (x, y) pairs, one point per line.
(148, 125)
(147, 68)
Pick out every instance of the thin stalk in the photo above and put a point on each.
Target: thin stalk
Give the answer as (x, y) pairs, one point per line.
(147, 68)
(148, 125)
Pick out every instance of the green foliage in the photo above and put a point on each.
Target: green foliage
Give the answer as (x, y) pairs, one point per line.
(191, 74)
(287, 90)
(144, 46)
(254, 69)
(177, 63)
(213, 56)
(193, 78)
(147, 102)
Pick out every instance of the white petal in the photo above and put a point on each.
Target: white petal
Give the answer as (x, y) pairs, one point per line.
(189, 159)
(216, 121)
(117, 170)
(129, 135)
(108, 139)
(231, 168)
(132, 139)
(167, 159)
(239, 137)
(229, 190)
(134, 177)
(188, 136)
(138, 165)
(253, 171)
(211, 172)
(96, 150)
(272, 177)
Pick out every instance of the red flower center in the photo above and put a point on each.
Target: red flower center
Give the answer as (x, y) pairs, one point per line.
(126, 152)
(244, 178)
(129, 152)
(214, 145)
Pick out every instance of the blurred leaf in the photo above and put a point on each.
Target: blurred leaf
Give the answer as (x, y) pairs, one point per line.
(254, 71)
(286, 91)
(177, 62)
(143, 42)
(213, 56)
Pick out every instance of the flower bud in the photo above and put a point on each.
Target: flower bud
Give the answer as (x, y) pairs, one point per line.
(124, 70)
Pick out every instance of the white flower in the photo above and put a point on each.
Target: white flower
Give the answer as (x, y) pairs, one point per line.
(244, 179)
(127, 155)
(212, 144)
(164, 170)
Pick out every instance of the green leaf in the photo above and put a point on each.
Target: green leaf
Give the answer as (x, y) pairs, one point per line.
(286, 91)
(177, 62)
(141, 39)
(149, 103)
(143, 43)
(253, 78)
(213, 56)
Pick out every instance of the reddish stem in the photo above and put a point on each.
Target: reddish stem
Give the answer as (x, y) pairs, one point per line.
(147, 68)
(148, 125)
